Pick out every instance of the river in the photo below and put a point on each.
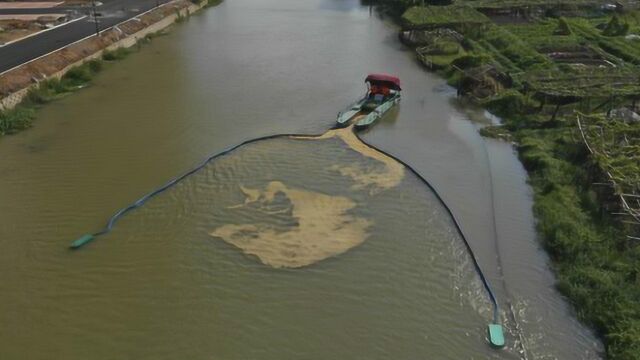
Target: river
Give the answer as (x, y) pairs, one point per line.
(174, 279)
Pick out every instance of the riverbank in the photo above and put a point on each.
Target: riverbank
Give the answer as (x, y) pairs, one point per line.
(563, 77)
(24, 88)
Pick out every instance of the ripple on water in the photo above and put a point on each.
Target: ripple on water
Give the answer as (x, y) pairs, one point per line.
(301, 227)
(320, 226)
(387, 269)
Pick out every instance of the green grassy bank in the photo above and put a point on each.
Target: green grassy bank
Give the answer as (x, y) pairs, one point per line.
(541, 68)
(597, 269)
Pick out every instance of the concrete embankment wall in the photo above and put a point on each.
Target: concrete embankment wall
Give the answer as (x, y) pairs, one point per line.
(16, 83)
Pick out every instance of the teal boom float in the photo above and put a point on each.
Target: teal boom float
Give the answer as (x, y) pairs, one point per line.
(84, 239)
(496, 336)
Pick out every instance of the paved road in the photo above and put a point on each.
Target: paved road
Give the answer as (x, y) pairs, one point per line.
(53, 10)
(112, 12)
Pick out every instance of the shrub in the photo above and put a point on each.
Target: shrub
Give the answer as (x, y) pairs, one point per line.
(563, 28)
(117, 54)
(95, 66)
(14, 120)
(615, 27)
(509, 103)
(77, 76)
(470, 61)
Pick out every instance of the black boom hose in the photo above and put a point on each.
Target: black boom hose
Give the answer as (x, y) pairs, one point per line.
(85, 239)
(476, 265)
(496, 336)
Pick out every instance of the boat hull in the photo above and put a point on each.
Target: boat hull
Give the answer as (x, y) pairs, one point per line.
(363, 116)
(378, 112)
(346, 116)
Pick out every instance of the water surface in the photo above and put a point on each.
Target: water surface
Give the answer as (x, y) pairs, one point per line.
(162, 287)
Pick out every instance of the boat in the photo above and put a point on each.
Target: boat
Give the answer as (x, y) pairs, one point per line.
(383, 93)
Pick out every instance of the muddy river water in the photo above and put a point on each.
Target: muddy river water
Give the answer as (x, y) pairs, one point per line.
(290, 248)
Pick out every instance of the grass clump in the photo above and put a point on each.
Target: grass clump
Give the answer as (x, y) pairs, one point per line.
(510, 102)
(78, 76)
(117, 54)
(17, 119)
(615, 27)
(563, 28)
(437, 16)
(441, 53)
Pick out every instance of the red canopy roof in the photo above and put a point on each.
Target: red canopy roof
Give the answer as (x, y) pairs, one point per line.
(390, 81)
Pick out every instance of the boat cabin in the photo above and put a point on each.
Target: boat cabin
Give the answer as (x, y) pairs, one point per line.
(380, 88)
(382, 84)
(383, 93)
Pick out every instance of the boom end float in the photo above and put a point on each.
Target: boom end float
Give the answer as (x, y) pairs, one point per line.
(496, 335)
(81, 241)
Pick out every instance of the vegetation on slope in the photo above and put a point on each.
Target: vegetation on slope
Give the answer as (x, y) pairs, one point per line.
(596, 267)
(438, 16)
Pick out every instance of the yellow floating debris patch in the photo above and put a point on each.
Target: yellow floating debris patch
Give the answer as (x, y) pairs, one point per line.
(324, 228)
(389, 176)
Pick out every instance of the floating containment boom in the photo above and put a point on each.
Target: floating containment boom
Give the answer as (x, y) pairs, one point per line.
(495, 331)
(87, 238)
